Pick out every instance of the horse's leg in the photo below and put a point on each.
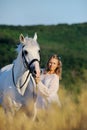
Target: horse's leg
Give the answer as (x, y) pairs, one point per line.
(58, 102)
(8, 106)
(35, 111)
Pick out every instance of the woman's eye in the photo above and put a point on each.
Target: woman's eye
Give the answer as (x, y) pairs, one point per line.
(25, 52)
(50, 63)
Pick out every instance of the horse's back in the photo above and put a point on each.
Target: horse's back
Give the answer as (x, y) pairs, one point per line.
(6, 68)
(5, 76)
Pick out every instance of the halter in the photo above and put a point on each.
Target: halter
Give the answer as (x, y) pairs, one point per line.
(14, 79)
(27, 66)
(26, 63)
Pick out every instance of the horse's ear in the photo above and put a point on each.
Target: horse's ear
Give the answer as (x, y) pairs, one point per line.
(21, 38)
(35, 36)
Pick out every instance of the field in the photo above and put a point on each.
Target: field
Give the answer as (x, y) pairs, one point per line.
(69, 42)
(71, 116)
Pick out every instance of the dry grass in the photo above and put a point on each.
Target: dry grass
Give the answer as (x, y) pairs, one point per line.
(71, 116)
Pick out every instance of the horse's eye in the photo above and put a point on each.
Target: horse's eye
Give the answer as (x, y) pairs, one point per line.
(23, 46)
(25, 52)
(39, 51)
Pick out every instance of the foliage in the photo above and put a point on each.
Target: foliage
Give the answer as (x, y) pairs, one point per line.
(68, 41)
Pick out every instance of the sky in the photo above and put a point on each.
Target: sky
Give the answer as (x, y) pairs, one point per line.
(42, 12)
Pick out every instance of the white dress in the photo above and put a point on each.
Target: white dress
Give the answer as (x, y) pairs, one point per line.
(47, 90)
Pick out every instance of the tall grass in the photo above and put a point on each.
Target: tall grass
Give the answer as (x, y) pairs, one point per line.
(70, 42)
(71, 116)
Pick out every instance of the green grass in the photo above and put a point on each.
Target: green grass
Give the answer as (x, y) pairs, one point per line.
(68, 41)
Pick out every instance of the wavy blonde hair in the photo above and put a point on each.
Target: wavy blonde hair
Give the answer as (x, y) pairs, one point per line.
(58, 70)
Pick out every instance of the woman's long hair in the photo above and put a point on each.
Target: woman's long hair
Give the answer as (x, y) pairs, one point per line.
(58, 70)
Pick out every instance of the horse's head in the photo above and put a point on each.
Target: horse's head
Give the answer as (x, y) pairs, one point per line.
(30, 54)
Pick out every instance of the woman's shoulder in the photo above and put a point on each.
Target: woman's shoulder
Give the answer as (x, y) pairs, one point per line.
(44, 72)
(55, 76)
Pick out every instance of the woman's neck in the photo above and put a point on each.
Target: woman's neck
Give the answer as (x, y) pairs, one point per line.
(50, 72)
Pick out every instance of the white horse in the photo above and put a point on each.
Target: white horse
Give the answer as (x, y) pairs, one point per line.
(17, 85)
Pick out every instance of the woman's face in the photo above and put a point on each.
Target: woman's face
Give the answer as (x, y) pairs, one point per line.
(53, 64)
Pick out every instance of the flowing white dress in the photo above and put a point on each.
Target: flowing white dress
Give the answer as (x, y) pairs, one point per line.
(48, 91)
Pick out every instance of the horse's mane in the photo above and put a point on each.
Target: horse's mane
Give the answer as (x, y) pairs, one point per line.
(19, 47)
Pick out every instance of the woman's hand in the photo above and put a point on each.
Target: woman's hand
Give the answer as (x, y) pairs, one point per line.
(37, 79)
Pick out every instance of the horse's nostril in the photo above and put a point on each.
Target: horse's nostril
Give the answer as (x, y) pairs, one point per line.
(35, 72)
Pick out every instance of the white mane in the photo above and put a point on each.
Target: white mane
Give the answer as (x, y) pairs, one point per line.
(19, 48)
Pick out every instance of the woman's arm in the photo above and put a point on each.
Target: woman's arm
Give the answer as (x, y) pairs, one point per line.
(52, 88)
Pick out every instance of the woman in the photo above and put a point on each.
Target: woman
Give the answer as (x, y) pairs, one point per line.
(48, 83)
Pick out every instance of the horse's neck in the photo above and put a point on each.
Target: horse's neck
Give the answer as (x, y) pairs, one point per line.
(19, 69)
(30, 83)
(20, 76)
(23, 80)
